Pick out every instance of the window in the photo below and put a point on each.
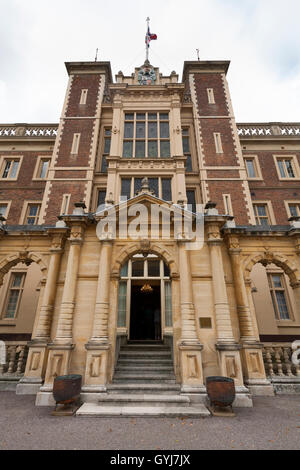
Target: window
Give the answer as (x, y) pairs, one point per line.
(9, 169)
(218, 142)
(210, 95)
(15, 289)
(294, 209)
(83, 96)
(227, 204)
(261, 213)
(106, 150)
(3, 209)
(32, 214)
(146, 135)
(279, 296)
(287, 167)
(43, 168)
(75, 144)
(162, 187)
(191, 199)
(65, 204)
(186, 149)
(101, 197)
(252, 167)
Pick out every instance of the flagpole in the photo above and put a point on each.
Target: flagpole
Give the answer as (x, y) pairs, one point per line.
(147, 40)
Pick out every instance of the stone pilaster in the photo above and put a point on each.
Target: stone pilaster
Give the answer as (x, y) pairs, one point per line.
(227, 347)
(98, 347)
(251, 352)
(38, 353)
(190, 347)
(61, 347)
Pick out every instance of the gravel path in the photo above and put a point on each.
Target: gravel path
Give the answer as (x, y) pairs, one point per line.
(273, 423)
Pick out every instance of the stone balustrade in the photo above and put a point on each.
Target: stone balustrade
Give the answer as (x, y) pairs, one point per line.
(37, 131)
(278, 361)
(269, 130)
(245, 130)
(16, 355)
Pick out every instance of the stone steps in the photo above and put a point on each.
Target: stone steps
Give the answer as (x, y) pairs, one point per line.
(144, 384)
(145, 362)
(132, 399)
(143, 388)
(150, 378)
(144, 367)
(97, 410)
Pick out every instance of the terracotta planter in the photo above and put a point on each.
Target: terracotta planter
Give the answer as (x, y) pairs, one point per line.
(220, 391)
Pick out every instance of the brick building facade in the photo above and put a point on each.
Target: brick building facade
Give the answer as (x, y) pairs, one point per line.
(231, 307)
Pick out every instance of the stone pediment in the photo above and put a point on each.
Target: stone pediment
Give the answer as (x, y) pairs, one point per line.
(145, 199)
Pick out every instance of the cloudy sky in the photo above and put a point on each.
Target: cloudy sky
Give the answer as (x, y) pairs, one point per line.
(260, 37)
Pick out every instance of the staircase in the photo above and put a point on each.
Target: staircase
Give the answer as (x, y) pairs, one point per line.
(144, 384)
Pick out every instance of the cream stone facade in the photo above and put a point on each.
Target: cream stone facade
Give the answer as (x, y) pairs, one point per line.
(72, 301)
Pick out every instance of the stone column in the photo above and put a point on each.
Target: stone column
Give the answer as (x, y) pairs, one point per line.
(227, 347)
(190, 347)
(251, 352)
(61, 347)
(98, 347)
(37, 355)
(244, 315)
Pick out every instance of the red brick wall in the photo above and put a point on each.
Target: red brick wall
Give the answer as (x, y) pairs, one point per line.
(210, 80)
(90, 82)
(208, 128)
(71, 127)
(235, 189)
(229, 157)
(272, 188)
(24, 188)
(75, 188)
(65, 159)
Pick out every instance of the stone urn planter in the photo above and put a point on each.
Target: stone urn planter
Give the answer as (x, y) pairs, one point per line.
(66, 392)
(221, 394)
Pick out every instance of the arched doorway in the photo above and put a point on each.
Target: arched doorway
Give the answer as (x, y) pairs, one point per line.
(145, 300)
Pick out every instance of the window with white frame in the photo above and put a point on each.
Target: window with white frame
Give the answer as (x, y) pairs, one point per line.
(32, 214)
(294, 209)
(261, 213)
(252, 167)
(146, 135)
(43, 167)
(286, 168)
(9, 168)
(14, 294)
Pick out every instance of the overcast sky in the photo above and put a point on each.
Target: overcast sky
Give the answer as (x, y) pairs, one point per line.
(260, 37)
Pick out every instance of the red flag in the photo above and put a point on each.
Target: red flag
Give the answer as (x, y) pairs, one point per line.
(149, 36)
